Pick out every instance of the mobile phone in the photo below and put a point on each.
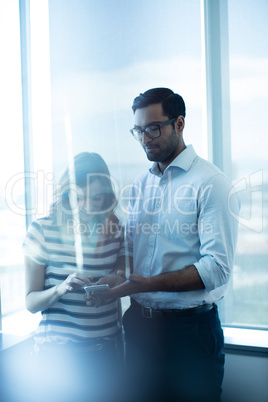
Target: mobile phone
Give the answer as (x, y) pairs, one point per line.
(96, 288)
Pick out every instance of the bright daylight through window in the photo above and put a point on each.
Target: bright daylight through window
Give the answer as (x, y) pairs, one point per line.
(87, 67)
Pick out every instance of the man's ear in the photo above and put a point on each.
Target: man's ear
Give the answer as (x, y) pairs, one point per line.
(179, 124)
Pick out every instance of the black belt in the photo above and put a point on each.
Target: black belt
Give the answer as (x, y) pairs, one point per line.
(148, 312)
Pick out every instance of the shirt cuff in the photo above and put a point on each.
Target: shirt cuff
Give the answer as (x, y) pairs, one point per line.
(213, 275)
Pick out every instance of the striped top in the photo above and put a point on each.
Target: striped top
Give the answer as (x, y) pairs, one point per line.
(70, 319)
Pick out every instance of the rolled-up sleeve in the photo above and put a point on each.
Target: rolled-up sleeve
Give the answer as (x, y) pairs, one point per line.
(218, 228)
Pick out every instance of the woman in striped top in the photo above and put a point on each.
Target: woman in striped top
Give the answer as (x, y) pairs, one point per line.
(77, 244)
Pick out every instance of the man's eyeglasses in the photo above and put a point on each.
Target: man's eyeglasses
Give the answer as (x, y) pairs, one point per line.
(152, 130)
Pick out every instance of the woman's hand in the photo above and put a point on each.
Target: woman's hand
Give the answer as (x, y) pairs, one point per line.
(74, 281)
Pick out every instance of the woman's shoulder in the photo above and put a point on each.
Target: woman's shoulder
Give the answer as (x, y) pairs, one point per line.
(42, 222)
(41, 225)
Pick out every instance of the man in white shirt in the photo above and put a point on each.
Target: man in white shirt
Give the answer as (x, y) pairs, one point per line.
(182, 234)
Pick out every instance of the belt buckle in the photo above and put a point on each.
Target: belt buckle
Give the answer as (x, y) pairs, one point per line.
(147, 312)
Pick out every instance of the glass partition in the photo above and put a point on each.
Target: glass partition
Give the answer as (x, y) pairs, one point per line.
(246, 302)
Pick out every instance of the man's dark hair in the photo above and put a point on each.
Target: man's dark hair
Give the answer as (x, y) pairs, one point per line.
(173, 104)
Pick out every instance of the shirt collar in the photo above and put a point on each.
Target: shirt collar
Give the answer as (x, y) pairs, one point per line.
(183, 161)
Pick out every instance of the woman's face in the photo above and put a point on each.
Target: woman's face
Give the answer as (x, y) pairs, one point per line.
(90, 199)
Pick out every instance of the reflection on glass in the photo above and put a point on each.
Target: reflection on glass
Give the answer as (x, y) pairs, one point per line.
(247, 299)
(12, 208)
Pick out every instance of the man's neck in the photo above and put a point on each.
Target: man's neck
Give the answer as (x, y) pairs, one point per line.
(162, 165)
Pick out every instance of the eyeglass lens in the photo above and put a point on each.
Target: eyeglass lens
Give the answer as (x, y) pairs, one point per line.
(152, 131)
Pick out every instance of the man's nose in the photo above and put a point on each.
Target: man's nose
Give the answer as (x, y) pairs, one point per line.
(145, 139)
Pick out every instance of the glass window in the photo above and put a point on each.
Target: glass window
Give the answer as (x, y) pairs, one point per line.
(101, 60)
(12, 206)
(13, 229)
(103, 54)
(246, 303)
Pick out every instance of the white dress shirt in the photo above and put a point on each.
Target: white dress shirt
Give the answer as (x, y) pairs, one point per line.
(188, 215)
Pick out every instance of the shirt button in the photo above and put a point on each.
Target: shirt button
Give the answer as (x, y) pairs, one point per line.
(157, 205)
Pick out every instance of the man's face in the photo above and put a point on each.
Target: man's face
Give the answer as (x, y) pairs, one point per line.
(164, 148)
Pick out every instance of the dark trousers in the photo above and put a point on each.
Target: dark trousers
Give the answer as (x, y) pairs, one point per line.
(174, 358)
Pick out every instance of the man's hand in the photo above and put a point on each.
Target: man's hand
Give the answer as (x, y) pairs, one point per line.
(134, 284)
(124, 287)
(97, 299)
(186, 279)
(120, 287)
(112, 280)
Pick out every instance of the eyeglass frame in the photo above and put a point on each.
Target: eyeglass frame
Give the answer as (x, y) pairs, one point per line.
(143, 130)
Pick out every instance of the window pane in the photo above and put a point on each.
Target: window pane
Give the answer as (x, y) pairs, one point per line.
(103, 54)
(246, 303)
(12, 216)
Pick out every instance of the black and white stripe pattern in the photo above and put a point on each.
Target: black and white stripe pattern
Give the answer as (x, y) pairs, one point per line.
(69, 319)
